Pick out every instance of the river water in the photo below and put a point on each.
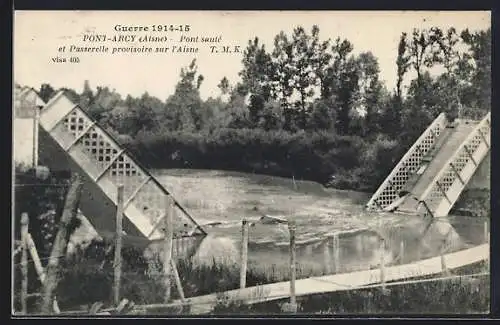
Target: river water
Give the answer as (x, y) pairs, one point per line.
(219, 200)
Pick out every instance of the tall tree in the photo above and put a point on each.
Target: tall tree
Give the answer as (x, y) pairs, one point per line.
(255, 78)
(403, 64)
(476, 64)
(282, 74)
(224, 86)
(46, 92)
(343, 82)
(304, 80)
(445, 52)
(424, 102)
(420, 52)
(183, 110)
(370, 90)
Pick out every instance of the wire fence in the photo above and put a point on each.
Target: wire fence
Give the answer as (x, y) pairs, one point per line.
(156, 275)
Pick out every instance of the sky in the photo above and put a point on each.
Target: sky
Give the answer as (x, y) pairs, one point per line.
(39, 34)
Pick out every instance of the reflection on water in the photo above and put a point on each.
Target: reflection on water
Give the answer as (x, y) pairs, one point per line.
(220, 200)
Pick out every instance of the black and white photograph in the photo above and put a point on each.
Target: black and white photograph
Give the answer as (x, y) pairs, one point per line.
(251, 163)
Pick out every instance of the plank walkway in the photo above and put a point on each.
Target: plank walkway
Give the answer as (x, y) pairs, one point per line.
(342, 282)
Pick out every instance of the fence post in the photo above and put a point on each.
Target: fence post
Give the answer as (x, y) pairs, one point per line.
(177, 278)
(244, 253)
(55, 306)
(118, 246)
(59, 247)
(486, 233)
(382, 262)
(168, 243)
(487, 239)
(336, 253)
(402, 252)
(36, 258)
(39, 269)
(293, 269)
(24, 262)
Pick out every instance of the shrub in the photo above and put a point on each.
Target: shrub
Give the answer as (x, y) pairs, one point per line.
(304, 155)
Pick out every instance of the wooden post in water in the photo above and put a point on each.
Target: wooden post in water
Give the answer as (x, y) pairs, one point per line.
(359, 244)
(382, 262)
(336, 253)
(244, 253)
(24, 262)
(168, 242)
(293, 263)
(327, 256)
(118, 246)
(59, 246)
(444, 268)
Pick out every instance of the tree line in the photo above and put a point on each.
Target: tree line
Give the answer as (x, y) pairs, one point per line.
(306, 108)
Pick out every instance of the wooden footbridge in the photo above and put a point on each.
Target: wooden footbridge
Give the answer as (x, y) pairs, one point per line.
(427, 181)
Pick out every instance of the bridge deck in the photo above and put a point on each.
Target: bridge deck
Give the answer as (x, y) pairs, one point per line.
(342, 282)
(446, 146)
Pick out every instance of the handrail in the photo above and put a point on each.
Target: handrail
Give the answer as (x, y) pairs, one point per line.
(450, 160)
(439, 119)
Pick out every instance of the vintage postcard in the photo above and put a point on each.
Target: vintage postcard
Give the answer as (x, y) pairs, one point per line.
(245, 163)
